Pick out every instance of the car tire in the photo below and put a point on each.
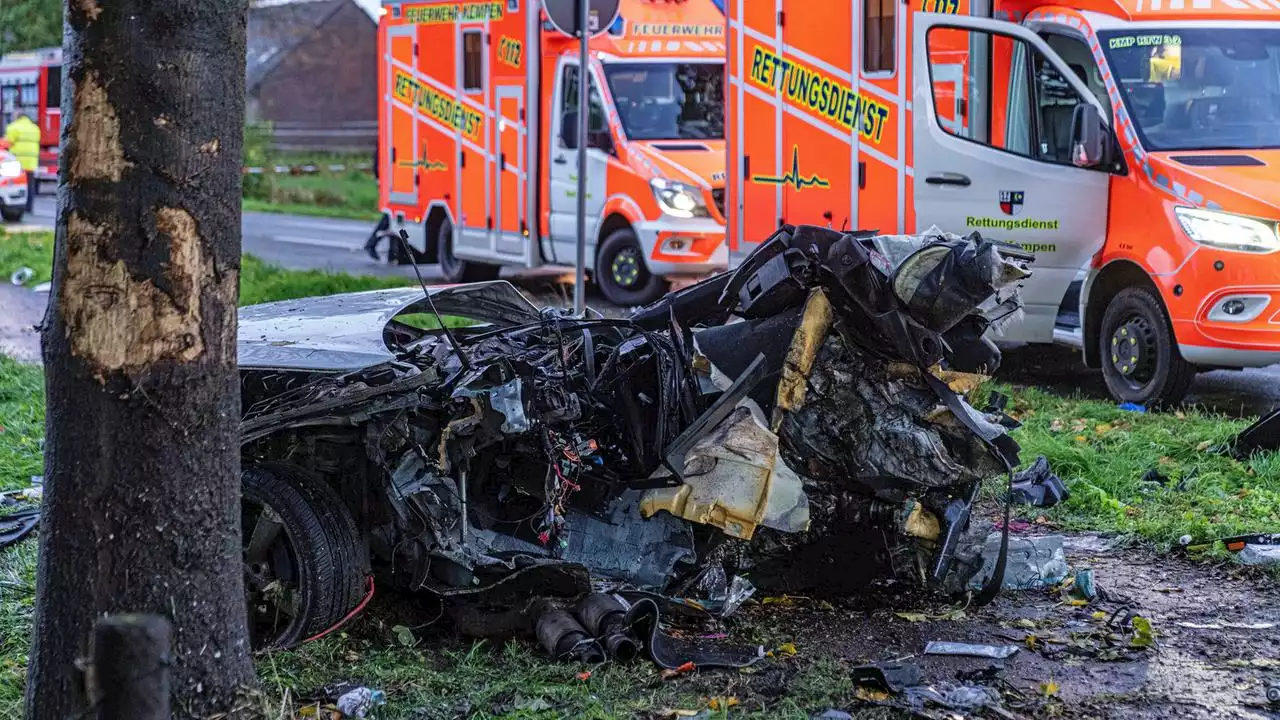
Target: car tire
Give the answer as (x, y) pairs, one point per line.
(1140, 359)
(622, 274)
(316, 555)
(460, 271)
(11, 215)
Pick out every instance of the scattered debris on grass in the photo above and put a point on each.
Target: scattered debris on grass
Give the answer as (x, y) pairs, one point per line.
(1038, 486)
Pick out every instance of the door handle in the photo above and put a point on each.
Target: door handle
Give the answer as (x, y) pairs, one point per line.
(948, 179)
(559, 160)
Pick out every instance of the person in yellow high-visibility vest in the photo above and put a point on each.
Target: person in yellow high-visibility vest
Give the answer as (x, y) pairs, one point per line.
(24, 140)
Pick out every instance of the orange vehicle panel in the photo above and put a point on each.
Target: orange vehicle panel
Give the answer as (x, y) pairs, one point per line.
(843, 156)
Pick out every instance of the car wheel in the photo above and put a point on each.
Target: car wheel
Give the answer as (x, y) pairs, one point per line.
(460, 271)
(304, 567)
(1140, 358)
(12, 215)
(622, 274)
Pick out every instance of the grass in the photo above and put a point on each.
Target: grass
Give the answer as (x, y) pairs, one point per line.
(21, 423)
(263, 282)
(28, 249)
(1103, 453)
(345, 194)
(17, 599)
(286, 208)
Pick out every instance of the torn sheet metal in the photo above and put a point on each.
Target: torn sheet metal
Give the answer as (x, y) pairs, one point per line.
(622, 546)
(1262, 436)
(805, 343)
(734, 480)
(793, 402)
(16, 526)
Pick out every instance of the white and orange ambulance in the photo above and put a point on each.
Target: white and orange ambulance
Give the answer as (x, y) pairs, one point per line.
(478, 156)
(1133, 145)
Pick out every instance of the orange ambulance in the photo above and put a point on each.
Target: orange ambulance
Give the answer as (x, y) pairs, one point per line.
(1132, 145)
(478, 157)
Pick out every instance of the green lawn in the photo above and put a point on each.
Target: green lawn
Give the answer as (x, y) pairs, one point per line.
(1101, 451)
(344, 194)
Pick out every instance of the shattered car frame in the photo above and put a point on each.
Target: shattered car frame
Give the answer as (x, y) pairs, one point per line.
(795, 407)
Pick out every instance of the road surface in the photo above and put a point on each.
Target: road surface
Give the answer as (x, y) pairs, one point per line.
(337, 245)
(297, 242)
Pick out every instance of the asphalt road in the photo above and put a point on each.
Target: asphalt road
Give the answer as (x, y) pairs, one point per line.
(290, 241)
(336, 245)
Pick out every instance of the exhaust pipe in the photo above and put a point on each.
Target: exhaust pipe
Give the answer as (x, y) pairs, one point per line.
(563, 638)
(606, 619)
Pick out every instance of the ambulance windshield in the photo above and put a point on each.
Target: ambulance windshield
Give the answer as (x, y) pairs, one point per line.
(669, 101)
(1199, 88)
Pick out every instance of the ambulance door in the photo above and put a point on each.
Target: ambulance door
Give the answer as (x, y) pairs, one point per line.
(756, 95)
(1004, 168)
(401, 142)
(819, 121)
(473, 237)
(510, 186)
(564, 165)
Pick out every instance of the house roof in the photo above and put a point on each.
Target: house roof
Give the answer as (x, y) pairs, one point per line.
(277, 27)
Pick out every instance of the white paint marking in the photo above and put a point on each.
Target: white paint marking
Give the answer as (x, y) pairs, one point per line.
(315, 242)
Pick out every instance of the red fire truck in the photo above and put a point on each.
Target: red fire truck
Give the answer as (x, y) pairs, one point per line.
(32, 82)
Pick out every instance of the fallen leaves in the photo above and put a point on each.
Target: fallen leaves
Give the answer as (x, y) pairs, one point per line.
(1143, 634)
(722, 703)
(955, 614)
(404, 636)
(682, 670)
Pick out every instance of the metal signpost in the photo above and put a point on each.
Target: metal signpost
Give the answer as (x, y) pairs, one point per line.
(580, 25)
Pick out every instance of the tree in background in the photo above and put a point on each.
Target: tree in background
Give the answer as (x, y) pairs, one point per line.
(30, 24)
(142, 469)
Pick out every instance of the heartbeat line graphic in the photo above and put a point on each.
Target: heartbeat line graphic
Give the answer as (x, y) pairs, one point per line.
(425, 164)
(793, 177)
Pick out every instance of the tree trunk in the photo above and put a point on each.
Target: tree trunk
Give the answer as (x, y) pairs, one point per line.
(142, 467)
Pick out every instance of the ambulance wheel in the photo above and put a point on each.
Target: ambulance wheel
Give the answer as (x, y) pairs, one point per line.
(1140, 358)
(11, 215)
(460, 271)
(621, 272)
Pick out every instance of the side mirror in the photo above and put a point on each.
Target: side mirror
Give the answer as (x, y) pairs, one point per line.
(597, 137)
(1088, 137)
(569, 129)
(601, 140)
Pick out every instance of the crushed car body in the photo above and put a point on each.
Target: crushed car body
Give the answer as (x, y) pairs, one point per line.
(466, 443)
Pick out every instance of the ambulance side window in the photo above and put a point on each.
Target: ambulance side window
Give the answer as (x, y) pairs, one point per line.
(569, 98)
(473, 61)
(879, 28)
(979, 93)
(1001, 92)
(53, 88)
(1056, 103)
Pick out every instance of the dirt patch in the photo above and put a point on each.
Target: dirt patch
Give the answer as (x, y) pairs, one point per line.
(1212, 670)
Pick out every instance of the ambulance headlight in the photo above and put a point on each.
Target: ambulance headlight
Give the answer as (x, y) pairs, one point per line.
(1227, 231)
(679, 200)
(10, 168)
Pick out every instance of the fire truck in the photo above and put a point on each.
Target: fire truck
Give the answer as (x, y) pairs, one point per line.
(478, 137)
(1132, 145)
(32, 82)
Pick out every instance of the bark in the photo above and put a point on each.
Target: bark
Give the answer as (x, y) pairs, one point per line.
(129, 674)
(142, 463)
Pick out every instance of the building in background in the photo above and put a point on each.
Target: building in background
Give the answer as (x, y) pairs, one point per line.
(311, 72)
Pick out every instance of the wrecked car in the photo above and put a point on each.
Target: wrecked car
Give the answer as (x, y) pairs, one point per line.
(797, 412)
